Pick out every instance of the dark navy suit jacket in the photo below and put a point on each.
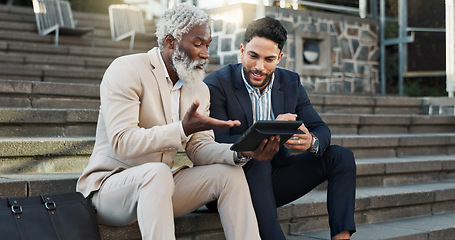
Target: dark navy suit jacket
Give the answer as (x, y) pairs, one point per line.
(229, 99)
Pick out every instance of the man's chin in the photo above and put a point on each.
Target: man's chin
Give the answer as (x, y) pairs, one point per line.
(257, 84)
(192, 76)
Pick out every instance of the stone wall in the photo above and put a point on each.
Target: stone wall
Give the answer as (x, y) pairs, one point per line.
(349, 54)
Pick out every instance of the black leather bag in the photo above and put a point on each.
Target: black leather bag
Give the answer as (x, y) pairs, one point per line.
(67, 216)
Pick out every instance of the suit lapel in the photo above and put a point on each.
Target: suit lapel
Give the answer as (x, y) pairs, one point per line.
(186, 99)
(242, 96)
(277, 96)
(160, 76)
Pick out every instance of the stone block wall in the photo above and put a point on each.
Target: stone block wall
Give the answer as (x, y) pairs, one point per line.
(348, 46)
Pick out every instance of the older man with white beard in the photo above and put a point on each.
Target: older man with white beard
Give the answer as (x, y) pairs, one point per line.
(152, 105)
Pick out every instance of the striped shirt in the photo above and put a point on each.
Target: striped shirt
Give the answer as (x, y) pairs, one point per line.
(260, 102)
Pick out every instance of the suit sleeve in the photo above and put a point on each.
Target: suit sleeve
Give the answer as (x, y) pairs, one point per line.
(312, 120)
(218, 109)
(120, 92)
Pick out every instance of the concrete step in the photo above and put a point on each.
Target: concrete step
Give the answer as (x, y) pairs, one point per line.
(47, 122)
(375, 204)
(397, 145)
(22, 20)
(439, 105)
(404, 170)
(64, 146)
(299, 218)
(51, 60)
(18, 24)
(44, 155)
(364, 146)
(51, 74)
(97, 20)
(340, 123)
(35, 94)
(12, 23)
(51, 154)
(433, 227)
(14, 9)
(23, 185)
(366, 104)
(48, 154)
(141, 44)
(17, 13)
(353, 123)
(40, 48)
(36, 111)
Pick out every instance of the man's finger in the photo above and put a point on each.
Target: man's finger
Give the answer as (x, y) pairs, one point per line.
(261, 146)
(304, 129)
(287, 117)
(219, 124)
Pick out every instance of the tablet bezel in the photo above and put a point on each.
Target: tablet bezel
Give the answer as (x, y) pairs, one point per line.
(260, 130)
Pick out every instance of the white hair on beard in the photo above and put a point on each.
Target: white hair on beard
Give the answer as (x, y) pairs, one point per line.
(185, 68)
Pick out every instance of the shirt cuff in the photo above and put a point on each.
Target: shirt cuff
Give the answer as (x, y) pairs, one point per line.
(183, 137)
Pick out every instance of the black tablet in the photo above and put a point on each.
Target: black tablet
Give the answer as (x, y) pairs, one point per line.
(260, 130)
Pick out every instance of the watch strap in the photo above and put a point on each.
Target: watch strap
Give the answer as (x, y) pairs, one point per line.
(239, 159)
(314, 145)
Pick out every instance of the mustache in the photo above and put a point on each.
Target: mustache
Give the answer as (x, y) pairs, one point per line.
(203, 62)
(181, 56)
(257, 72)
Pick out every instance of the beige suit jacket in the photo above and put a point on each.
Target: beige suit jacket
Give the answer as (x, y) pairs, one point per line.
(135, 121)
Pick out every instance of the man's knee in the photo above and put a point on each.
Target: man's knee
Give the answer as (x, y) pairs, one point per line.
(342, 156)
(156, 176)
(227, 177)
(258, 170)
(226, 172)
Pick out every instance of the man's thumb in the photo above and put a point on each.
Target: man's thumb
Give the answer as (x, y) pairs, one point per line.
(194, 106)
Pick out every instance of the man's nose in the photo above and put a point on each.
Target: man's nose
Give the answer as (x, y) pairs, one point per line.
(260, 65)
(204, 53)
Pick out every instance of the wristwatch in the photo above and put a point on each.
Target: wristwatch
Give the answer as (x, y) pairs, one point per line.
(314, 145)
(240, 159)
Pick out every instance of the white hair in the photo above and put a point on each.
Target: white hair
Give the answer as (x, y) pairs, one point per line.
(179, 20)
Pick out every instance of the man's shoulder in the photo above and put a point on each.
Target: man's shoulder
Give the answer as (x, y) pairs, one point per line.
(287, 79)
(225, 73)
(131, 58)
(228, 68)
(134, 56)
(286, 74)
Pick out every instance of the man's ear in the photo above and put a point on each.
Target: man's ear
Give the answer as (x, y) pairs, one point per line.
(169, 41)
(280, 56)
(242, 49)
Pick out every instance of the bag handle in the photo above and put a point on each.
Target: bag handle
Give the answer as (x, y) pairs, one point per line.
(51, 208)
(16, 210)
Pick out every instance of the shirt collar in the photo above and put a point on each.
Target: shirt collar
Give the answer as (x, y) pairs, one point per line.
(179, 83)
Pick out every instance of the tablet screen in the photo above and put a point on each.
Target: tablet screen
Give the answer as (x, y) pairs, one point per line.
(260, 130)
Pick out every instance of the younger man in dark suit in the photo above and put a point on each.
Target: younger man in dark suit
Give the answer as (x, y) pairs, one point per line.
(256, 90)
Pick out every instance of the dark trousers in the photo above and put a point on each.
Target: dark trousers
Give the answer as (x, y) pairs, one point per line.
(272, 186)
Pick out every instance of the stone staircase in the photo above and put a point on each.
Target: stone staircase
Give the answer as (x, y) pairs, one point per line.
(49, 104)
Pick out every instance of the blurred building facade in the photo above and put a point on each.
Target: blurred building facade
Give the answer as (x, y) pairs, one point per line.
(340, 49)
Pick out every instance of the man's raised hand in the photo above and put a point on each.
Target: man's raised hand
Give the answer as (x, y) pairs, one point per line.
(194, 122)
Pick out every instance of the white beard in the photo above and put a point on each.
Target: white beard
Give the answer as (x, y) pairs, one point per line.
(186, 69)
